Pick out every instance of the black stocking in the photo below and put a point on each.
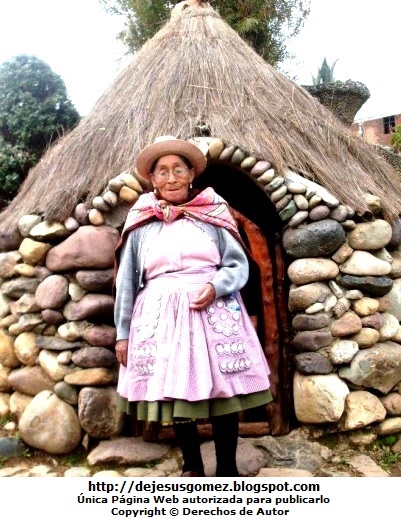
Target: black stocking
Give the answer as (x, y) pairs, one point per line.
(188, 440)
(225, 435)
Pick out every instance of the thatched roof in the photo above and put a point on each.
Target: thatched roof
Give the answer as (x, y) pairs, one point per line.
(196, 68)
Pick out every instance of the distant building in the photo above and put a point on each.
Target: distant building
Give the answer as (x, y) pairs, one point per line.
(377, 131)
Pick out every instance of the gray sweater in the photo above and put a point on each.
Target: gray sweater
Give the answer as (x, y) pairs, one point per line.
(231, 275)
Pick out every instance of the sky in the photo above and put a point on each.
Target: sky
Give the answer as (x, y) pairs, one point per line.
(364, 36)
(78, 39)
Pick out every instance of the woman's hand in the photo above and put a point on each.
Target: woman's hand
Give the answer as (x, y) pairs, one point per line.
(205, 297)
(122, 351)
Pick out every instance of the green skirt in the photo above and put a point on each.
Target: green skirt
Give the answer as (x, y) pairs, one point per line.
(166, 412)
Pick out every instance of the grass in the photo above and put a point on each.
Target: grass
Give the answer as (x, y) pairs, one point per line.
(388, 459)
(388, 440)
(74, 459)
(26, 453)
(384, 456)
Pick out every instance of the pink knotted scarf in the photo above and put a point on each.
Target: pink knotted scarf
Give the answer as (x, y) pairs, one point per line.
(206, 206)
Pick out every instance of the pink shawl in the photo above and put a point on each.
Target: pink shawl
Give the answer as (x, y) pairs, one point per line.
(207, 206)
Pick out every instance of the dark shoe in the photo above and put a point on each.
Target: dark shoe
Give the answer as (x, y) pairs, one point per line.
(189, 474)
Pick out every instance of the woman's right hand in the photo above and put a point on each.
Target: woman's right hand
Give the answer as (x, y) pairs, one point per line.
(122, 351)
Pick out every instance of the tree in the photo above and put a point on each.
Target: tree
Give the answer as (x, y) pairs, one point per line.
(266, 25)
(142, 19)
(34, 112)
(396, 138)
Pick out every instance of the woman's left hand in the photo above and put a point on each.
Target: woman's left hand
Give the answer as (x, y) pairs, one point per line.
(121, 349)
(205, 297)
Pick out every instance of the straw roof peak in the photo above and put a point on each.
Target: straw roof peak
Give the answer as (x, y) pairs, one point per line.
(178, 9)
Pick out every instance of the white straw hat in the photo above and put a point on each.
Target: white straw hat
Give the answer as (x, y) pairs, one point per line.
(168, 145)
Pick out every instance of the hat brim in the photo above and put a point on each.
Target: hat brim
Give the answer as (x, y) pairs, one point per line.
(151, 153)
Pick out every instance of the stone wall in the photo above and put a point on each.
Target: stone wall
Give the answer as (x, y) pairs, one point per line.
(58, 370)
(394, 159)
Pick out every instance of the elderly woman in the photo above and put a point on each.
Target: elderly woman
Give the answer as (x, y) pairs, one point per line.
(186, 345)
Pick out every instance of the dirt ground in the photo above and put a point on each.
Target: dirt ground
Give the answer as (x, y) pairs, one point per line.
(386, 452)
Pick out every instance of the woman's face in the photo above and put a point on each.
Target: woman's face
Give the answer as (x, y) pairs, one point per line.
(171, 177)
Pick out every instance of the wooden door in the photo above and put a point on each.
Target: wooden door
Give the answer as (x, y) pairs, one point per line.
(273, 329)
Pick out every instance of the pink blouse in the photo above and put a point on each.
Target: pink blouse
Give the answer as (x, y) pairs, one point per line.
(180, 245)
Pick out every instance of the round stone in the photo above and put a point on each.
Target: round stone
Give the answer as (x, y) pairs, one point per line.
(314, 201)
(288, 212)
(304, 322)
(366, 338)
(278, 194)
(363, 263)
(314, 240)
(298, 218)
(311, 363)
(96, 217)
(274, 184)
(296, 188)
(302, 297)
(312, 340)
(370, 235)
(238, 156)
(319, 212)
(216, 146)
(301, 202)
(343, 351)
(375, 286)
(308, 270)
(248, 162)
(347, 324)
(227, 153)
(281, 204)
(266, 177)
(366, 306)
(260, 167)
(348, 225)
(340, 213)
